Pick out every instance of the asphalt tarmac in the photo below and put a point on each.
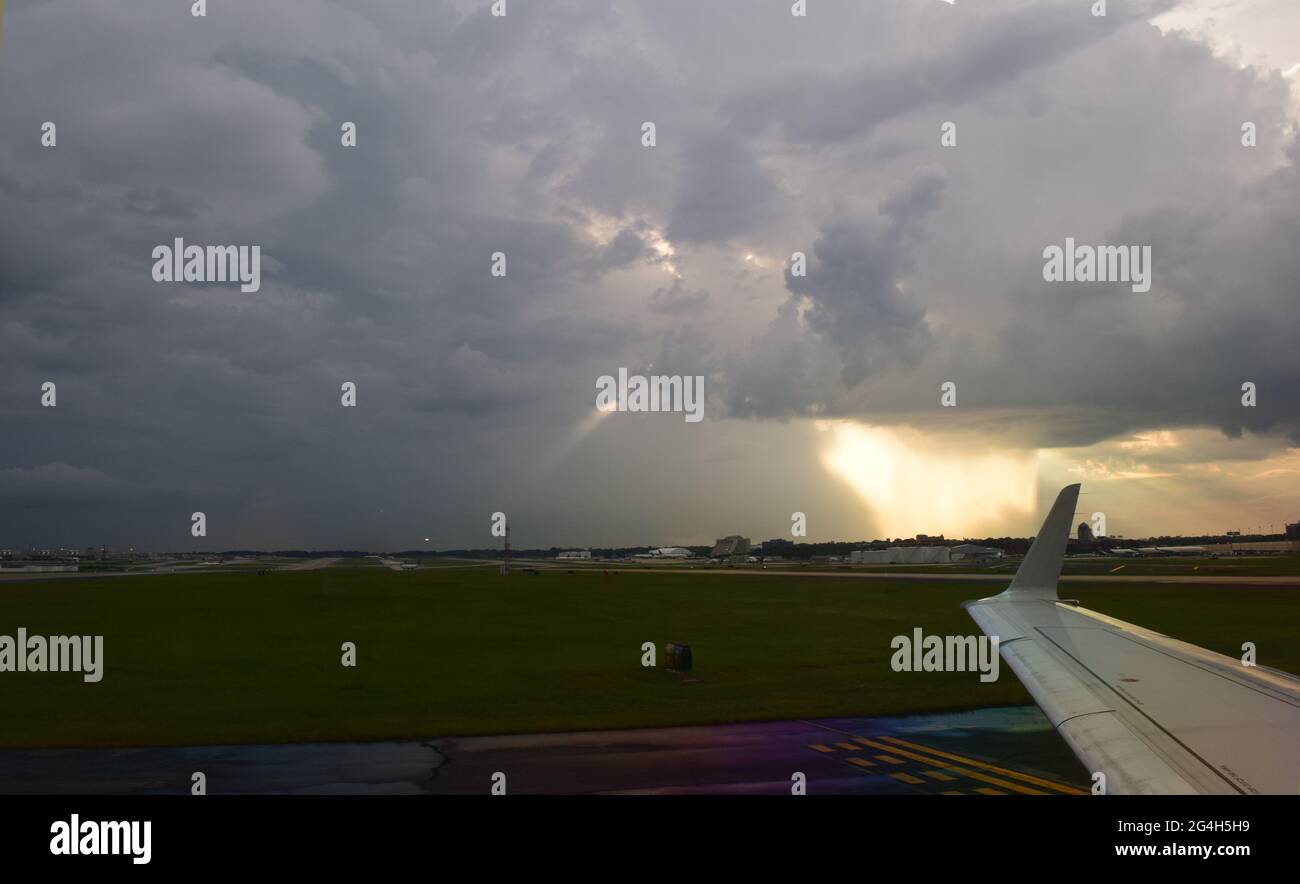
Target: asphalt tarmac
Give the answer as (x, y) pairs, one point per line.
(1002, 751)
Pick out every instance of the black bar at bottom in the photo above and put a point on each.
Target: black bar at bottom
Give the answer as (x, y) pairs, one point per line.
(638, 835)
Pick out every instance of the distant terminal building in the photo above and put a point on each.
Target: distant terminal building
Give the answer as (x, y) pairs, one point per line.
(1085, 533)
(778, 547)
(970, 552)
(734, 545)
(575, 554)
(1293, 530)
(902, 555)
(1253, 547)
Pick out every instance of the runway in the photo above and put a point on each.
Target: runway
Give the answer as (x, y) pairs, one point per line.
(18, 576)
(1002, 751)
(993, 751)
(941, 577)
(308, 565)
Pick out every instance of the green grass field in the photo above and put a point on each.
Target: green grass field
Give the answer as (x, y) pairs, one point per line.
(223, 658)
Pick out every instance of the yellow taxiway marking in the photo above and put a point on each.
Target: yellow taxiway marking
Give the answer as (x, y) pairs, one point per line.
(938, 775)
(862, 762)
(820, 748)
(1113, 570)
(963, 771)
(952, 793)
(908, 778)
(971, 762)
(848, 746)
(889, 758)
(985, 790)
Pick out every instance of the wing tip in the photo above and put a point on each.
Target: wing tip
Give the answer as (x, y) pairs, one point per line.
(1040, 571)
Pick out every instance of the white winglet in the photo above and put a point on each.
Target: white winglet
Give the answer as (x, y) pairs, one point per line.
(1041, 569)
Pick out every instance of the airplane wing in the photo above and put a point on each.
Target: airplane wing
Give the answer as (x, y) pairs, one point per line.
(1155, 715)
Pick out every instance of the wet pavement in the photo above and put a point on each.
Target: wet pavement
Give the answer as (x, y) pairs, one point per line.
(1009, 750)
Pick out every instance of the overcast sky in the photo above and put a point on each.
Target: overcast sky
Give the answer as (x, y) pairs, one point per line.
(523, 134)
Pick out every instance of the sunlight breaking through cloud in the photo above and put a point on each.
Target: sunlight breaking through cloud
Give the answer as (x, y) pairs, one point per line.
(914, 483)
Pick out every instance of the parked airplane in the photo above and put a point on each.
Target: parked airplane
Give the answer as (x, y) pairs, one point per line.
(1148, 551)
(666, 552)
(1172, 550)
(1151, 714)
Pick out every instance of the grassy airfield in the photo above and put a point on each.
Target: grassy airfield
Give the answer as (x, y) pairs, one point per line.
(237, 657)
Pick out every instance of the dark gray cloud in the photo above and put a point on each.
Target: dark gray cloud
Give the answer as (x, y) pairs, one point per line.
(855, 283)
(522, 135)
(1115, 156)
(676, 299)
(965, 55)
(723, 188)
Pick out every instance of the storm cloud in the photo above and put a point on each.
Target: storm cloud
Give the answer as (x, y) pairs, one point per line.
(522, 135)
